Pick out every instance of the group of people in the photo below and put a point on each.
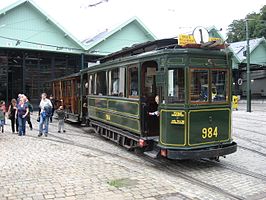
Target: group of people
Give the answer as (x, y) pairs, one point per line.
(19, 112)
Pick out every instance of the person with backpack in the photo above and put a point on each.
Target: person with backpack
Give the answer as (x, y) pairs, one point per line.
(53, 107)
(45, 113)
(30, 111)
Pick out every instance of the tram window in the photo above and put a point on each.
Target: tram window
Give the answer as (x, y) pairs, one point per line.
(176, 85)
(101, 83)
(76, 88)
(67, 88)
(199, 86)
(91, 84)
(133, 87)
(149, 82)
(219, 86)
(117, 82)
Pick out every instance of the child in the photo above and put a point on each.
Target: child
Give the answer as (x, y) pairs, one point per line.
(2, 117)
(3, 107)
(61, 118)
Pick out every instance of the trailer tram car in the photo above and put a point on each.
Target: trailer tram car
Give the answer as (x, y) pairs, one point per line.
(159, 97)
(66, 91)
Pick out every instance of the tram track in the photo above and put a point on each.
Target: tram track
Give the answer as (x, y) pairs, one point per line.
(252, 150)
(252, 141)
(226, 166)
(176, 170)
(161, 164)
(236, 169)
(243, 129)
(250, 119)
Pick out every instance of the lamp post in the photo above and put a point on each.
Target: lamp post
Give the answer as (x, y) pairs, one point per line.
(248, 91)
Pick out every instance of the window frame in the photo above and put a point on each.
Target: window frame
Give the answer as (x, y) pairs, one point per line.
(129, 82)
(96, 92)
(226, 84)
(110, 84)
(184, 85)
(91, 84)
(209, 70)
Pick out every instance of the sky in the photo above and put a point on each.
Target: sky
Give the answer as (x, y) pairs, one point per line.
(164, 18)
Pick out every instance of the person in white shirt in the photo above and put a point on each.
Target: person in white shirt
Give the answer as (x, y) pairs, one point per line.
(45, 112)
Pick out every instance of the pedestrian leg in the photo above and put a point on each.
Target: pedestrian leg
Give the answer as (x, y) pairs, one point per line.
(59, 126)
(16, 124)
(29, 121)
(46, 125)
(24, 126)
(63, 126)
(20, 126)
(13, 121)
(41, 126)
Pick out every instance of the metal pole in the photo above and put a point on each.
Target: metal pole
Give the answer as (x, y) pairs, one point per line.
(82, 61)
(248, 71)
(24, 74)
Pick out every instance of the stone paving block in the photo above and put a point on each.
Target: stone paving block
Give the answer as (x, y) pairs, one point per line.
(42, 168)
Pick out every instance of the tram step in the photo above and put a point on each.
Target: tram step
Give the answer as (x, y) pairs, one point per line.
(72, 120)
(153, 153)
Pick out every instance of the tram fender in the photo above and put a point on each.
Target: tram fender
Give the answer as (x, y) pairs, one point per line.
(213, 152)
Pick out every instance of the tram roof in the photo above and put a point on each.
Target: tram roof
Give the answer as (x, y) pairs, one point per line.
(68, 76)
(159, 52)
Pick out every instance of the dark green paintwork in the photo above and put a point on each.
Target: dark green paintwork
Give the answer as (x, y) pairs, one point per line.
(171, 134)
(125, 115)
(98, 102)
(124, 122)
(175, 61)
(205, 119)
(125, 107)
(207, 62)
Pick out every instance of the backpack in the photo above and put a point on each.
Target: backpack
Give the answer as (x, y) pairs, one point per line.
(48, 111)
(30, 107)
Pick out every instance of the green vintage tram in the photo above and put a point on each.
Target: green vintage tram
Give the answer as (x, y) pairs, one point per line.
(161, 98)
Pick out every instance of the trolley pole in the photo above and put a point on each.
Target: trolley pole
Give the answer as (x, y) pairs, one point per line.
(248, 89)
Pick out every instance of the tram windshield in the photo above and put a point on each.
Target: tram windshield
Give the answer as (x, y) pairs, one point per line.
(208, 85)
(176, 84)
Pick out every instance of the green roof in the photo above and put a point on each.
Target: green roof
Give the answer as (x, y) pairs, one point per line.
(23, 25)
(127, 34)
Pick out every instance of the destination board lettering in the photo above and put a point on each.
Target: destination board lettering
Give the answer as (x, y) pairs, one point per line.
(186, 39)
(177, 114)
(177, 121)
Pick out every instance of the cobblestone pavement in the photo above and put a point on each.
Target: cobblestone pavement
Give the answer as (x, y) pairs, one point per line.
(80, 165)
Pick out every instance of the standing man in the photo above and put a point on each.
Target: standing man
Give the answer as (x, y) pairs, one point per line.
(45, 112)
(30, 111)
(53, 107)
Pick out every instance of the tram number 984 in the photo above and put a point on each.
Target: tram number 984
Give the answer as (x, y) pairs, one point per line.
(209, 132)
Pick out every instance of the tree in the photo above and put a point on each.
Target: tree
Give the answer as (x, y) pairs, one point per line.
(257, 26)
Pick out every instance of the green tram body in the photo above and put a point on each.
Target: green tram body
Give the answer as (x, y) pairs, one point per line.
(194, 89)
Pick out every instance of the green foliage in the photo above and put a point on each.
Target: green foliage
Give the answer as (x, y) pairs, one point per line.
(123, 182)
(256, 25)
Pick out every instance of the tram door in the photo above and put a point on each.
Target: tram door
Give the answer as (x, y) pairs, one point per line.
(149, 91)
